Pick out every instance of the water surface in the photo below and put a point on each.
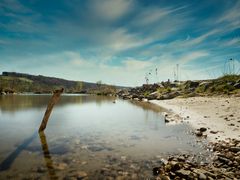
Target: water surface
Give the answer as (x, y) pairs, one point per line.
(101, 136)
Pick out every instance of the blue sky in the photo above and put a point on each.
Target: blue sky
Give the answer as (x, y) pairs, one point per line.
(119, 41)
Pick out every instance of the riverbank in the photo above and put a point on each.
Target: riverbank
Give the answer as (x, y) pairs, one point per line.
(219, 115)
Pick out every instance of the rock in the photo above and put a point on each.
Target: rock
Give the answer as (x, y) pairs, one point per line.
(236, 85)
(2, 93)
(183, 173)
(175, 167)
(81, 175)
(235, 149)
(223, 160)
(203, 129)
(191, 84)
(156, 171)
(61, 166)
(134, 176)
(198, 133)
(202, 176)
(163, 177)
(166, 120)
(214, 132)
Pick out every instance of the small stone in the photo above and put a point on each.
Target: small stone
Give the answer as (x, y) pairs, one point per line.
(223, 160)
(61, 166)
(235, 149)
(134, 176)
(81, 175)
(83, 163)
(203, 129)
(202, 176)
(198, 133)
(176, 167)
(123, 158)
(163, 177)
(166, 120)
(120, 178)
(214, 132)
(183, 173)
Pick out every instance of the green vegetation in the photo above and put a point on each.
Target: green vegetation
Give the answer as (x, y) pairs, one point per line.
(163, 90)
(18, 82)
(146, 93)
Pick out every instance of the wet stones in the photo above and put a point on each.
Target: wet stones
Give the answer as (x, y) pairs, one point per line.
(235, 149)
(203, 129)
(202, 176)
(213, 132)
(61, 166)
(183, 173)
(198, 133)
(81, 175)
(225, 164)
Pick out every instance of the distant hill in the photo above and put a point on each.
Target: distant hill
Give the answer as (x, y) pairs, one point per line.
(20, 82)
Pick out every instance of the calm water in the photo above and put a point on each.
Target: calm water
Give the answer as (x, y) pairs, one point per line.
(86, 133)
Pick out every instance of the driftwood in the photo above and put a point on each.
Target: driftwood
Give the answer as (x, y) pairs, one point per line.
(55, 98)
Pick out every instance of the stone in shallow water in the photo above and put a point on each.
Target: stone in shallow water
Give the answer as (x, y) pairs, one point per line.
(34, 149)
(59, 150)
(61, 166)
(81, 175)
(96, 148)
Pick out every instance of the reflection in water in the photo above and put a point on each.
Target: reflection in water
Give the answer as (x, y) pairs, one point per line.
(47, 156)
(116, 135)
(6, 164)
(21, 102)
(148, 106)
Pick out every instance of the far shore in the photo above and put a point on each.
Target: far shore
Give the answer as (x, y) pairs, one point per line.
(219, 115)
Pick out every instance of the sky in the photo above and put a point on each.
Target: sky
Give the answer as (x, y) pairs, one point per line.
(120, 42)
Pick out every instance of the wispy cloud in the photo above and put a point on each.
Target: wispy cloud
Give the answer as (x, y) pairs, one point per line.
(110, 10)
(191, 56)
(133, 64)
(76, 38)
(231, 16)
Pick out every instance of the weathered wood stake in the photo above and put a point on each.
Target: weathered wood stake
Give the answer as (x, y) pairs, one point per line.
(55, 98)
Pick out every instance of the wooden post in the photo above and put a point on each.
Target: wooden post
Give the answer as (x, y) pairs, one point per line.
(47, 156)
(55, 98)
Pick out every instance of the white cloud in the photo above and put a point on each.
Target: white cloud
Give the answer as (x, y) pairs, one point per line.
(136, 65)
(235, 41)
(120, 40)
(151, 15)
(111, 9)
(77, 60)
(231, 16)
(188, 57)
(154, 15)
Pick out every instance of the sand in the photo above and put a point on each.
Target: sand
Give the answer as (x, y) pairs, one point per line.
(220, 115)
